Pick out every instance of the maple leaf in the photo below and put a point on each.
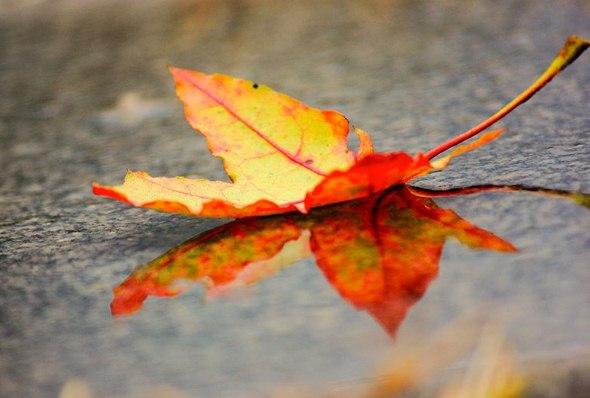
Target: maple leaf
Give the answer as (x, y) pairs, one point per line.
(379, 253)
(282, 155)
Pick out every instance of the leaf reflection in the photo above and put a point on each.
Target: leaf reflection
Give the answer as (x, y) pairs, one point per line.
(380, 253)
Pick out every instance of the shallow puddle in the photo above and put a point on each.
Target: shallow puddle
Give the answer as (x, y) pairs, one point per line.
(300, 302)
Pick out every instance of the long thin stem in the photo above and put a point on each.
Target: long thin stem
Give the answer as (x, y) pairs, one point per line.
(572, 49)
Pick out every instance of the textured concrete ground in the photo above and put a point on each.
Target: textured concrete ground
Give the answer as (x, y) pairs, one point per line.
(85, 94)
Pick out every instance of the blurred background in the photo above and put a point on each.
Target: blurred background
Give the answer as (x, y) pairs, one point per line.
(86, 94)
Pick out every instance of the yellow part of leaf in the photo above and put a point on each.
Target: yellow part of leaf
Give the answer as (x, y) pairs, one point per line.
(265, 138)
(140, 189)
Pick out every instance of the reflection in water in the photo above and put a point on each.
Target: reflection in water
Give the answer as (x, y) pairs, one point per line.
(380, 253)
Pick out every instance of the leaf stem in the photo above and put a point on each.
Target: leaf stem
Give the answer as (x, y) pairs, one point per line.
(572, 49)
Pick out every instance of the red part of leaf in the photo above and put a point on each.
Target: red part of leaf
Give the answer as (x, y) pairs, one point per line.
(379, 253)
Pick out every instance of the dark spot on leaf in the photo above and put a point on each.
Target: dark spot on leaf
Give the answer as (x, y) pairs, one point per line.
(308, 162)
(255, 85)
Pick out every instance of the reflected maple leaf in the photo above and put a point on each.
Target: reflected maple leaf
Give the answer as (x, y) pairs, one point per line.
(379, 253)
(282, 155)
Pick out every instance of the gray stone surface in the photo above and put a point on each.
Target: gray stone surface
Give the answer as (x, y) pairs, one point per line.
(85, 94)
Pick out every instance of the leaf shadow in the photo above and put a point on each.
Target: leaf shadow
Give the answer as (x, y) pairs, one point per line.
(380, 254)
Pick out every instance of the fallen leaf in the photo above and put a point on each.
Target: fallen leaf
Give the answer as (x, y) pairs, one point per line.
(379, 254)
(282, 155)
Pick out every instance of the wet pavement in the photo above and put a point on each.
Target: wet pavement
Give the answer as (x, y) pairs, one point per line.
(86, 95)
